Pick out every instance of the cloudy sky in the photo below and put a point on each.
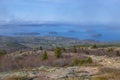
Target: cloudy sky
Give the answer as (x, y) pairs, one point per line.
(75, 11)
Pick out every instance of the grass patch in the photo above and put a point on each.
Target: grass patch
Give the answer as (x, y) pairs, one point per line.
(107, 74)
(18, 78)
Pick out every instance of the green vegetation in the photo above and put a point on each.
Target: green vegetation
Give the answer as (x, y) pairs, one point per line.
(89, 60)
(78, 62)
(2, 52)
(44, 55)
(21, 51)
(18, 78)
(86, 52)
(74, 49)
(94, 46)
(58, 52)
(39, 48)
(63, 49)
(23, 78)
(110, 49)
(107, 74)
(117, 53)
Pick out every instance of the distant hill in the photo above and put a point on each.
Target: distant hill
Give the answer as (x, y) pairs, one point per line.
(10, 44)
(16, 43)
(51, 41)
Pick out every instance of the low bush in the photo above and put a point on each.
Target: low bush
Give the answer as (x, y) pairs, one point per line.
(86, 52)
(18, 78)
(117, 53)
(89, 60)
(23, 78)
(110, 49)
(74, 49)
(94, 46)
(2, 52)
(77, 62)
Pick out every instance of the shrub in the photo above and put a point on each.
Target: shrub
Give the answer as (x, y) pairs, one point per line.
(74, 49)
(63, 49)
(89, 60)
(81, 62)
(82, 49)
(117, 53)
(110, 49)
(86, 52)
(58, 53)
(44, 56)
(2, 52)
(18, 78)
(94, 46)
(23, 78)
(76, 61)
(21, 51)
(40, 48)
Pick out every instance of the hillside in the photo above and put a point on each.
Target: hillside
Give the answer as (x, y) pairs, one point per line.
(24, 42)
(9, 44)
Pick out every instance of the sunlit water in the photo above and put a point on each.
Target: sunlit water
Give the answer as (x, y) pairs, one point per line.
(95, 32)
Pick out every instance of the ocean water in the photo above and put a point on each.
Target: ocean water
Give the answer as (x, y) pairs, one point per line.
(94, 32)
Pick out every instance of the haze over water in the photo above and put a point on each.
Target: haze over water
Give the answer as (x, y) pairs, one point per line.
(85, 19)
(101, 33)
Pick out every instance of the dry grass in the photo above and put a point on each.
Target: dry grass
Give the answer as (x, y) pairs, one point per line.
(33, 60)
(108, 74)
(17, 78)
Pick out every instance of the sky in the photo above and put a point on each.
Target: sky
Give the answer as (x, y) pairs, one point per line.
(72, 11)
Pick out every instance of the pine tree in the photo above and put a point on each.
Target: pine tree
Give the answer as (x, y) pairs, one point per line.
(58, 52)
(44, 55)
(94, 46)
(89, 60)
(74, 49)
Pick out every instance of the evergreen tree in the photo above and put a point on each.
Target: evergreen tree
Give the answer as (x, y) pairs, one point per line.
(44, 55)
(58, 52)
(2, 52)
(74, 49)
(94, 46)
(41, 48)
(89, 60)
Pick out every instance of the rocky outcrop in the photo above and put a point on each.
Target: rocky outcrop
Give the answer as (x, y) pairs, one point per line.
(110, 62)
(52, 73)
